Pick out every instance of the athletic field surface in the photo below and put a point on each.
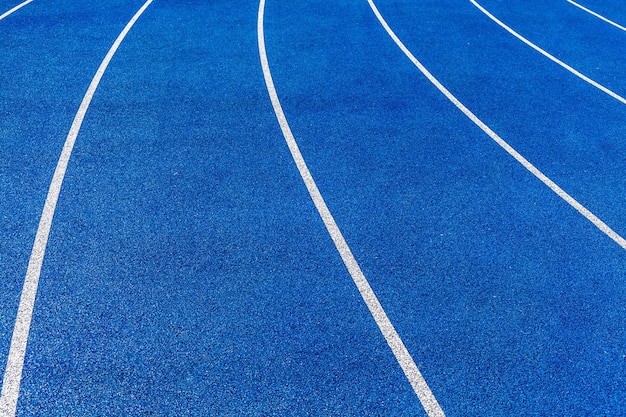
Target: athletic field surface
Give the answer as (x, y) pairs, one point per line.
(313, 208)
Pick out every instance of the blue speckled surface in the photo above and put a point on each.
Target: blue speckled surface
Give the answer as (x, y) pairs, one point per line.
(188, 272)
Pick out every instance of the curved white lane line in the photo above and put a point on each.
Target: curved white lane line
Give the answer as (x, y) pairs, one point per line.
(17, 351)
(508, 148)
(549, 56)
(16, 8)
(599, 16)
(386, 327)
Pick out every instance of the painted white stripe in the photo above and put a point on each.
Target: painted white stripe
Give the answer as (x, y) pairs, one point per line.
(508, 148)
(394, 341)
(16, 8)
(549, 56)
(17, 351)
(599, 16)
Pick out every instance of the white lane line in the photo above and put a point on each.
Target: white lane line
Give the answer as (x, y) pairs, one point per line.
(16, 8)
(549, 56)
(394, 341)
(508, 148)
(599, 16)
(17, 351)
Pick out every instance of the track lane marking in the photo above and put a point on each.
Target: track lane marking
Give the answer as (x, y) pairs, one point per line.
(15, 361)
(16, 8)
(508, 148)
(548, 55)
(413, 374)
(599, 16)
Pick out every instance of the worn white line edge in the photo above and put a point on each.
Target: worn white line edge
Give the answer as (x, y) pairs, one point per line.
(423, 392)
(16, 8)
(549, 56)
(599, 16)
(17, 351)
(508, 148)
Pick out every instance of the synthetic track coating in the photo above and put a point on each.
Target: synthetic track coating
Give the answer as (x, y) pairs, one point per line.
(188, 273)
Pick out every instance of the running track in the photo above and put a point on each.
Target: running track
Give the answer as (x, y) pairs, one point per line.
(388, 208)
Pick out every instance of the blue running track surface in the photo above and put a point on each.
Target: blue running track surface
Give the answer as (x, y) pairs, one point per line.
(188, 271)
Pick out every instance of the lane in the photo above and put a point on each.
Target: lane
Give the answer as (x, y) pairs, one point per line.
(509, 302)
(591, 46)
(615, 9)
(413, 374)
(48, 51)
(599, 16)
(19, 339)
(187, 270)
(549, 55)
